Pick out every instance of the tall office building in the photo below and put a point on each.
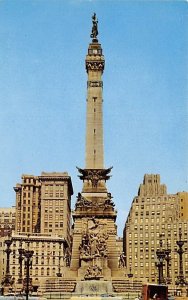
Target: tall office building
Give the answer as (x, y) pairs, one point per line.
(28, 205)
(43, 204)
(155, 215)
(43, 224)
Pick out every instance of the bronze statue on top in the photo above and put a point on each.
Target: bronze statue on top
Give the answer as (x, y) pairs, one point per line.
(94, 32)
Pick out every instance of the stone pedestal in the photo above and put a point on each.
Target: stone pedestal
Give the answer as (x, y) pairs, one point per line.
(93, 287)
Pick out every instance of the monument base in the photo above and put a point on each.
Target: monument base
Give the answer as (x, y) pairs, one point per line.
(94, 287)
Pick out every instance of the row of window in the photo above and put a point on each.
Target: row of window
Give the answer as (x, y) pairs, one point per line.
(57, 224)
(39, 272)
(5, 214)
(169, 226)
(154, 206)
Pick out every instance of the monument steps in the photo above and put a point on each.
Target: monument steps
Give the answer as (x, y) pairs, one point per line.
(122, 286)
(62, 285)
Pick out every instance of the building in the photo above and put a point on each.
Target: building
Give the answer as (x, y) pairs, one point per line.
(49, 259)
(183, 196)
(43, 225)
(43, 205)
(155, 215)
(7, 220)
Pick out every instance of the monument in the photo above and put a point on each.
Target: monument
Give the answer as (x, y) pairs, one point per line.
(96, 266)
(94, 256)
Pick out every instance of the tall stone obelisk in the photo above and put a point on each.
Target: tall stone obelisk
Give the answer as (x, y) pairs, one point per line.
(94, 130)
(94, 255)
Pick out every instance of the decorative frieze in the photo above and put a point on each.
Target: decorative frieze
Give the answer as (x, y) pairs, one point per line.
(94, 84)
(94, 66)
(104, 203)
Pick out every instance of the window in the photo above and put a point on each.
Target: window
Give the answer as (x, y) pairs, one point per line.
(36, 260)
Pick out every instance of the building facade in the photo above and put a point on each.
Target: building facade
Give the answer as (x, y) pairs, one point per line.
(43, 204)
(42, 225)
(155, 215)
(7, 225)
(7, 220)
(49, 259)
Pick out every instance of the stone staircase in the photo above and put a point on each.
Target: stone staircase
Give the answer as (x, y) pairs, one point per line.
(60, 285)
(123, 286)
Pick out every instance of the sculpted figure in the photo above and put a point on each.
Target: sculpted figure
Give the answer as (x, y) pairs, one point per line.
(102, 247)
(108, 202)
(93, 243)
(94, 32)
(97, 271)
(85, 247)
(93, 272)
(88, 273)
(81, 201)
(67, 258)
(122, 260)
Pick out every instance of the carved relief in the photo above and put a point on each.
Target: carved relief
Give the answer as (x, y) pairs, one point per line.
(93, 272)
(105, 203)
(82, 201)
(94, 175)
(94, 242)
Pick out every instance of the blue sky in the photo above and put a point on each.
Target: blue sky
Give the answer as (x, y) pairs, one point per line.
(43, 92)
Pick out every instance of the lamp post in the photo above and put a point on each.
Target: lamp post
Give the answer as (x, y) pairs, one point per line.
(20, 259)
(28, 264)
(8, 252)
(7, 281)
(130, 275)
(180, 279)
(168, 259)
(160, 263)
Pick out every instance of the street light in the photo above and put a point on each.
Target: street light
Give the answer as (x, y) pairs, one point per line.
(160, 263)
(8, 281)
(180, 279)
(20, 259)
(168, 259)
(130, 274)
(28, 264)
